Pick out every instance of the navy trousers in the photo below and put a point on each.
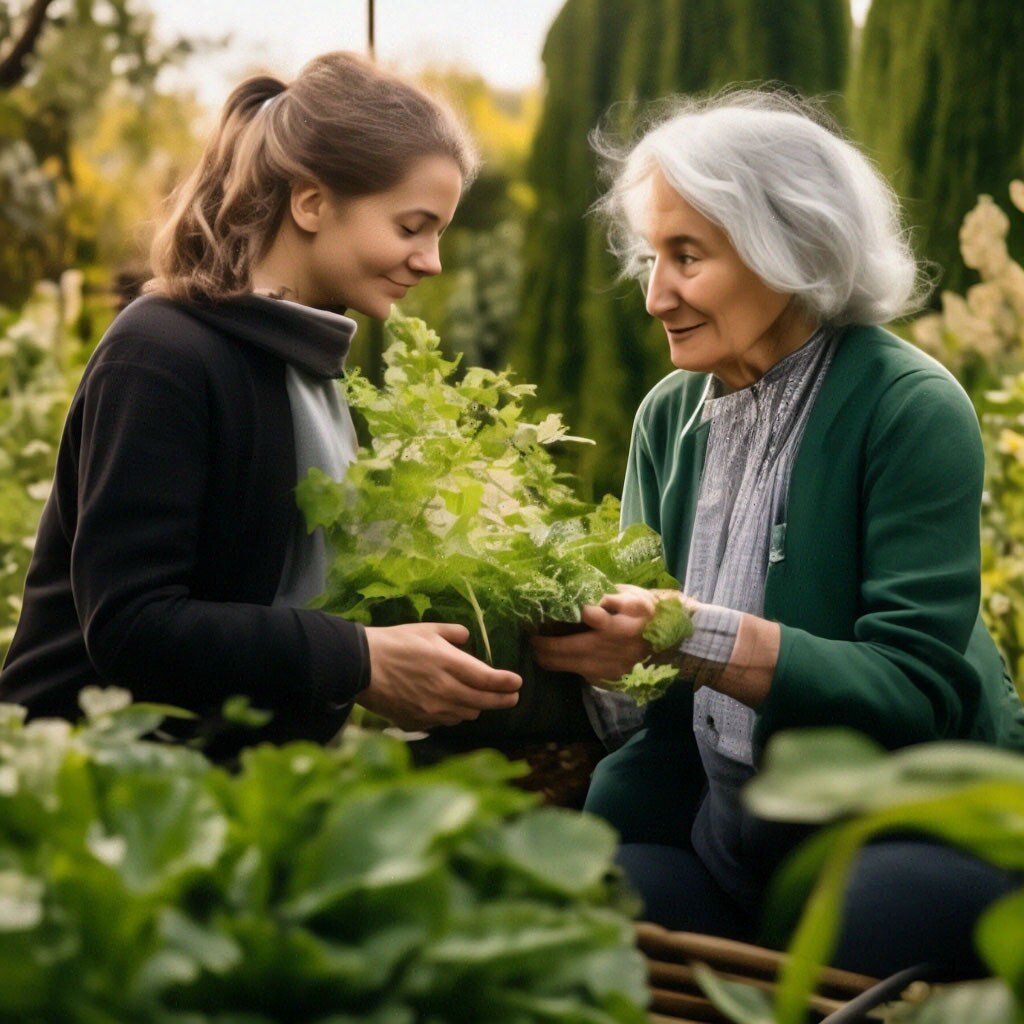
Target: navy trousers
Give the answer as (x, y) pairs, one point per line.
(910, 900)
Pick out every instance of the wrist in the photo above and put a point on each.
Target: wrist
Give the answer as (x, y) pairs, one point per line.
(748, 675)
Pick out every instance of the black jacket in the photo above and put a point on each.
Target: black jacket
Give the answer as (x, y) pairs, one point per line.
(161, 546)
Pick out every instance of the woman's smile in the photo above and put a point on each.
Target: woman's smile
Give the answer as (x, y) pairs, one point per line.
(678, 333)
(403, 288)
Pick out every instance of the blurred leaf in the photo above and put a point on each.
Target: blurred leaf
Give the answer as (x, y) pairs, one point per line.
(168, 825)
(1000, 940)
(819, 775)
(380, 840)
(741, 1003)
(560, 849)
(239, 711)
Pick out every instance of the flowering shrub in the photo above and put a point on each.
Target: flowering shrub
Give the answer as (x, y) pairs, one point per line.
(39, 358)
(980, 337)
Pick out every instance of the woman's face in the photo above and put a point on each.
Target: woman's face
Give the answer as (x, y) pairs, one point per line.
(368, 252)
(720, 317)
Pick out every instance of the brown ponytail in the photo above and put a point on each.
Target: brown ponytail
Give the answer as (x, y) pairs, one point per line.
(343, 122)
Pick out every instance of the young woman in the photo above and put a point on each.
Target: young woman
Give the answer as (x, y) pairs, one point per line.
(817, 485)
(171, 557)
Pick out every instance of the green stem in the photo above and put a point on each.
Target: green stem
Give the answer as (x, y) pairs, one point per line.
(471, 597)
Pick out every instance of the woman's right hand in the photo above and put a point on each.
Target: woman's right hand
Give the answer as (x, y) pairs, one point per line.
(419, 678)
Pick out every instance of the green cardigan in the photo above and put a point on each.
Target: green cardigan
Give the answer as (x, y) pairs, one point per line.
(875, 576)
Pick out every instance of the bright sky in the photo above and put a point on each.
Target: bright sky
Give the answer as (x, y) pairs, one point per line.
(502, 39)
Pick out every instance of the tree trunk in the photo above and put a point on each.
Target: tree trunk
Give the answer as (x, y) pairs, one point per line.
(12, 63)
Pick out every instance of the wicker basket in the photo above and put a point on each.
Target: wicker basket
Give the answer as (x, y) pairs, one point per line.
(676, 997)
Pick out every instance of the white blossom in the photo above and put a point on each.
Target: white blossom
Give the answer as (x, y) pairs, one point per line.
(983, 238)
(21, 902)
(96, 701)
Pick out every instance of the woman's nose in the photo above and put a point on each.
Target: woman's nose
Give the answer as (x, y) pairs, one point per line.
(661, 297)
(426, 261)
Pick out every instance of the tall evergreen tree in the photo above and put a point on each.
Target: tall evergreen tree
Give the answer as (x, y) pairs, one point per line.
(935, 95)
(584, 336)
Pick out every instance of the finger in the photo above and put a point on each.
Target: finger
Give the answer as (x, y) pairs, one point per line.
(450, 631)
(468, 697)
(596, 616)
(471, 672)
(627, 604)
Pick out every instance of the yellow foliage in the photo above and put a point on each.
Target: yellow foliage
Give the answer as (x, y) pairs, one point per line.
(502, 122)
(123, 169)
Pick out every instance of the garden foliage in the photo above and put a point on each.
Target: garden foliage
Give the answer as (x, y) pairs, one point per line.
(933, 95)
(138, 882)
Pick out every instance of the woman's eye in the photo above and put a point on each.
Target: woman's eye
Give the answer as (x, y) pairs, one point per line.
(407, 230)
(687, 259)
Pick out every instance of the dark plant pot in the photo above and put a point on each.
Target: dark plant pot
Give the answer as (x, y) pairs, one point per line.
(550, 707)
(552, 628)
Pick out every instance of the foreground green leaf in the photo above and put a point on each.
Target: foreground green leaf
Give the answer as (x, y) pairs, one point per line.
(962, 793)
(139, 882)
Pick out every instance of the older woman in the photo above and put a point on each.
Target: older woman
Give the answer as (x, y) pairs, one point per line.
(817, 482)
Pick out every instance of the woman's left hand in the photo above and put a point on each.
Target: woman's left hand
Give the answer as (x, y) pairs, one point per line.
(611, 646)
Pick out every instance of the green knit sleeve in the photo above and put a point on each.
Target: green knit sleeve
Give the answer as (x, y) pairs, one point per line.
(904, 678)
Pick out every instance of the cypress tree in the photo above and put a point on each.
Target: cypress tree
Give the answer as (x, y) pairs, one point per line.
(935, 96)
(584, 336)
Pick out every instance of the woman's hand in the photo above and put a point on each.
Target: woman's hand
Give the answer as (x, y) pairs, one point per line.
(614, 642)
(419, 678)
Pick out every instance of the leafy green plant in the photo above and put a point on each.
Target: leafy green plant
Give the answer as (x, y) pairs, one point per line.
(456, 511)
(139, 882)
(965, 794)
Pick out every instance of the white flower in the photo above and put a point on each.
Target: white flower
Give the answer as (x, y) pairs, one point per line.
(973, 332)
(36, 447)
(1017, 194)
(108, 849)
(998, 604)
(96, 701)
(53, 732)
(12, 715)
(21, 902)
(983, 238)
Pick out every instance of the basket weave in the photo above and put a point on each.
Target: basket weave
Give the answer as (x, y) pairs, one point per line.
(676, 997)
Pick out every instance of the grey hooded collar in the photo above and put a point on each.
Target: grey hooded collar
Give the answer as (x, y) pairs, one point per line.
(316, 341)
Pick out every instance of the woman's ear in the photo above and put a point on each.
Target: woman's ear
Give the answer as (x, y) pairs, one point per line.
(308, 204)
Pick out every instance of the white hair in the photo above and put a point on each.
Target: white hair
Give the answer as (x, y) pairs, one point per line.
(804, 208)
